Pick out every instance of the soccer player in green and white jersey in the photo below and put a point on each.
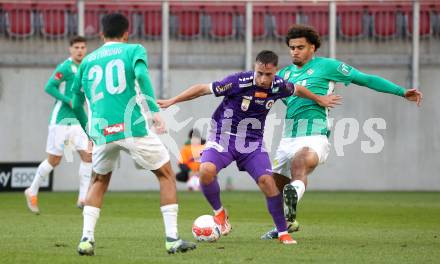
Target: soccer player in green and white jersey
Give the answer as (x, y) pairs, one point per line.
(64, 127)
(115, 81)
(305, 141)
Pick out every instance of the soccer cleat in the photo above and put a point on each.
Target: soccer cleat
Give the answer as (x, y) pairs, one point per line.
(86, 247)
(290, 199)
(222, 220)
(286, 239)
(31, 201)
(273, 233)
(178, 245)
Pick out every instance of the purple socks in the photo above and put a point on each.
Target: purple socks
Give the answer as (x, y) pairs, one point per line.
(275, 206)
(212, 194)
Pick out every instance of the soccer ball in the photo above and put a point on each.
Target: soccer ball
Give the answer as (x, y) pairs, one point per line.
(205, 229)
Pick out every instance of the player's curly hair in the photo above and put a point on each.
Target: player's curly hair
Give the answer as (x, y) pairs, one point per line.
(304, 31)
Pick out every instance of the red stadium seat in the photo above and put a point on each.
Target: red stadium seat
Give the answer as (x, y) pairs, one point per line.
(151, 20)
(283, 17)
(188, 20)
(221, 21)
(19, 19)
(351, 21)
(384, 20)
(54, 19)
(259, 27)
(317, 17)
(92, 19)
(425, 20)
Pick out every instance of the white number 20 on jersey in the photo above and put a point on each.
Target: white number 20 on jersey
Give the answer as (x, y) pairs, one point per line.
(96, 74)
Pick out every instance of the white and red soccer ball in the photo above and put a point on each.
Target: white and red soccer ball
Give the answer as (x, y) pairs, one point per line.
(205, 229)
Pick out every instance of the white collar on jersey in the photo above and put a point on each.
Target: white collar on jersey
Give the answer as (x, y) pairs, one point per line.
(111, 42)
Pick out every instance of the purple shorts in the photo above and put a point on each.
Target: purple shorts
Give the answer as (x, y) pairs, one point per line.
(256, 163)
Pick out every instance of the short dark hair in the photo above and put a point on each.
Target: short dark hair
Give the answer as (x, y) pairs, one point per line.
(304, 31)
(267, 57)
(77, 39)
(114, 25)
(194, 133)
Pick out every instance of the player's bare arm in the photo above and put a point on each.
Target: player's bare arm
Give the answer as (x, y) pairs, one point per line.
(189, 94)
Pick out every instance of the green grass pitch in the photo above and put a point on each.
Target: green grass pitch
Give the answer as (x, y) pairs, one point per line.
(336, 227)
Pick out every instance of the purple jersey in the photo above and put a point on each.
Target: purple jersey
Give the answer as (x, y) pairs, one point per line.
(242, 113)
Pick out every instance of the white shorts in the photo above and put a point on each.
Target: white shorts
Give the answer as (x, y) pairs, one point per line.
(62, 136)
(148, 152)
(290, 146)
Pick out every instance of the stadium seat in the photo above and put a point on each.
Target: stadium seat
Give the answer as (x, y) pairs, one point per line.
(128, 11)
(436, 19)
(188, 20)
(283, 17)
(425, 20)
(54, 19)
(151, 20)
(351, 22)
(386, 20)
(221, 21)
(92, 16)
(316, 16)
(259, 26)
(19, 19)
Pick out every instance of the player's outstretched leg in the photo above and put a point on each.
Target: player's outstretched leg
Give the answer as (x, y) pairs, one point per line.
(43, 171)
(211, 190)
(170, 209)
(275, 207)
(98, 186)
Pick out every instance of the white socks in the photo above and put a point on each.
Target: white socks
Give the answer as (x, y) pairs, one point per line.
(91, 215)
(299, 187)
(216, 212)
(42, 172)
(85, 170)
(169, 213)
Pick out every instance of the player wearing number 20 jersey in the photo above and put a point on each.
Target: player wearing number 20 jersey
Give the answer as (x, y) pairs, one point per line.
(115, 81)
(109, 84)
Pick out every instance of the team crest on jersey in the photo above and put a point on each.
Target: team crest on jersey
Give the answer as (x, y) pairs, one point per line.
(344, 69)
(113, 129)
(58, 76)
(286, 75)
(246, 102)
(269, 104)
(73, 68)
(310, 71)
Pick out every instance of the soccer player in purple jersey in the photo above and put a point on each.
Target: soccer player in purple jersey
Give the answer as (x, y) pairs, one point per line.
(236, 132)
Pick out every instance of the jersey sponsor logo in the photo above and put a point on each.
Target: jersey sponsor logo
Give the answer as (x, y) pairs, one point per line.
(117, 128)
(245, 103)
(223, 88)
(309, 71)
(260, 102)
(244, 85)
(269, 104)
(58, 76)
(260, 95)
(344, 69)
